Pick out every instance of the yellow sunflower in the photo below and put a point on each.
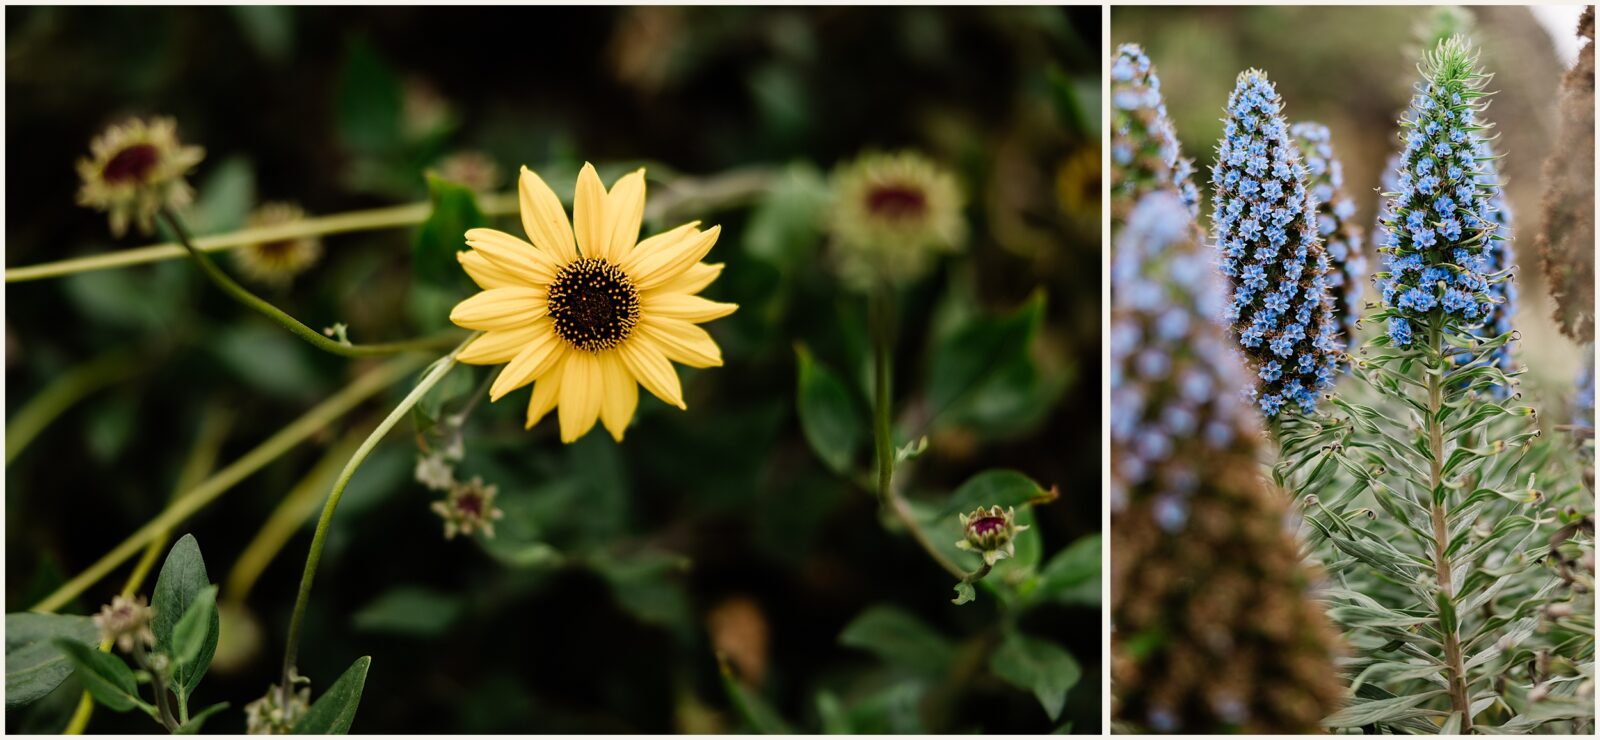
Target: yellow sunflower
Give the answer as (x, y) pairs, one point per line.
(586, 312)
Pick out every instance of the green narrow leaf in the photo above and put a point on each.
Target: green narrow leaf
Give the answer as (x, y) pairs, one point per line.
(433, 252)
(1039, 666)
(899, 639)
(189, 636)
(192, 727)
(410, 611)
(35, 666)
(967, 355)
(832, 422)
(998, 487)
(751, 708)
(965, 593)
(181, 582)
(332, 713)
(103, 675)
(1382, 710)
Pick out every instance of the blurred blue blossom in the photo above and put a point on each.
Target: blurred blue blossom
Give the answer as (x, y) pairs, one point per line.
(1144, 147)
(1341, 237)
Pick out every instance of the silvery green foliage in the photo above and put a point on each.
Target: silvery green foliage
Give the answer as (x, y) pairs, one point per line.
(1265, 228)
(1341, 237)
(1459, 543)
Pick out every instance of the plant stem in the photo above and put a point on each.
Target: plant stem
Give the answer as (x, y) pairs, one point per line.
(275, 446)
(1459, 699)
(441, 368)
(265, 308)
(61, 394)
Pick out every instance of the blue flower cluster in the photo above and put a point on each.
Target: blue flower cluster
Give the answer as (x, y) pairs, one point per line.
(1583, 401)
(1502, 290)
(1172, 372)
(1144, 148)
(1265, 226)
(1341, 237)
(1437, 244)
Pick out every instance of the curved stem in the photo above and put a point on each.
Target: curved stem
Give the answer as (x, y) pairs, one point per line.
(265, 308)
(61, 394)
(275, 446)
(441, 368)
(1459, 699)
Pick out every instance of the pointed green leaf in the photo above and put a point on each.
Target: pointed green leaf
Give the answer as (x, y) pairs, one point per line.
(998, 487)
(833, 423)
(1073, 575)
(433, 255)
(181, 582)
(963, 358)
(191, 634)
(192, 727)
(333, 712)
(35, 666)
(103, 675)
(900, 640)
(1039, 666)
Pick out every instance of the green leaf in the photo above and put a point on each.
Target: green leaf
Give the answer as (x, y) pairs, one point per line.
(899, 639)
(410, 611)
(1381, 710)
(751, 708)
(965, 593)
(963, 358)
(433, 253)
(370, 100)
(35, 666)
(332, 713)
(1073, 575)
(181, 582)
(192, 727)
(189, 636)
(103, 675)
(1036, 665)
(997, 487)
(646, 584)
(833, 423)
(226, 197)
(268, 28)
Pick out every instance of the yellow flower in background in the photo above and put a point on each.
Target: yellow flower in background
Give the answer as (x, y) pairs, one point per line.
(277, 262)
(586, 312)
(134, 169)
(891, 215)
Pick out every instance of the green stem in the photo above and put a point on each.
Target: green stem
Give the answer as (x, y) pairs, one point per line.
(275, 446)
(441, 368)
(1459, 699)
(61, 394)
(265, 308)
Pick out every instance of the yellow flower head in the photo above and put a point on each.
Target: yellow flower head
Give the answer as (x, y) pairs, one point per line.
(277, 262)
(134, 169)
(585, 313)
(892, 213)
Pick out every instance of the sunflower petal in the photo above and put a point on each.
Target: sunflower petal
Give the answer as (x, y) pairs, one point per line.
(690, 308)
(544, 218)
(485, 273)
(531, 265)
(693, 280)
(589, 214)
(682, 341)
(500, 308)
(581, 389)
(624, 212)
(496, 347)
(645, 361)
(621, 395)
(671, 261)
(546, 392)
(655, 244)
(533, 361)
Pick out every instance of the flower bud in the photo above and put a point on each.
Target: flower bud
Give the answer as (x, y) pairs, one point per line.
(991, 532)
(468, 508)
(272, 714)
(135, 169)
(126, 622)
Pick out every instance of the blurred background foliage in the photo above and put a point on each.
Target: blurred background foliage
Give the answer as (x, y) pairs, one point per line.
(1352, 69)
(619, 570)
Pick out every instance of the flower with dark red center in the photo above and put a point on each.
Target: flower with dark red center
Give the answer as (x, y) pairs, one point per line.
(991, 532)
(891, 214)
(277, 261)
(135, 169)
(468, 508)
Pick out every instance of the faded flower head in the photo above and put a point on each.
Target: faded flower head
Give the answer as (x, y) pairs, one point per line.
(469, 508)
(892, 214)
(1341, 237)
(587, 313)
(276, 714)
(135, 169)
(474, 170)
(279, 261)
(991, 532)
(435, 470)
(1437, 245)
(126, 622)
(1266, 230)
(1566, 243)
(1144, 147)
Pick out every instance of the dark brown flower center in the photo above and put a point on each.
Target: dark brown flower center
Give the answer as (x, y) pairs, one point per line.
(593, 305)
(985, 525)
(132, 164)
(896, 201)
(470, 503)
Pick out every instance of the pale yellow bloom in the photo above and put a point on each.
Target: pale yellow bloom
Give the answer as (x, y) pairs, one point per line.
(892, 215)
(135, 169)
(586, 313)
(277, 262)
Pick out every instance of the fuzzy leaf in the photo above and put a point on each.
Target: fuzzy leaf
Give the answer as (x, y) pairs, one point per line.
(181, 582)
(103, 675)
(1381, 710)
(34, 665)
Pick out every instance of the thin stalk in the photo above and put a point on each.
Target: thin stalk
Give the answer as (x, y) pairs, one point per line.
(441, 368)
(196, 498)
(265, 308)
(63, 393)
(1459, 699)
